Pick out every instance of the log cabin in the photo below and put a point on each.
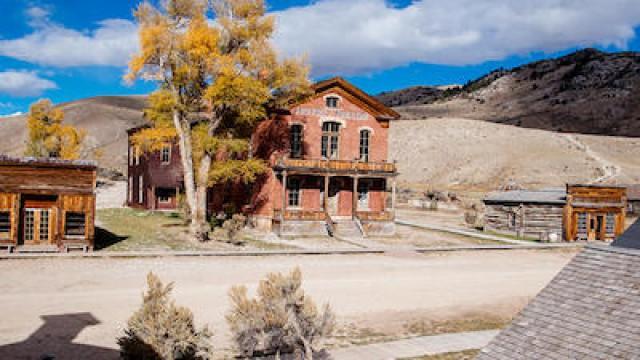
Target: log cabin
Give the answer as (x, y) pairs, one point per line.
(577, 212)
(329, 170)
(47, 204)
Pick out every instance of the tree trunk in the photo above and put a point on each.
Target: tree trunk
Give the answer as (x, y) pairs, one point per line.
(183, 130)
(199, 225)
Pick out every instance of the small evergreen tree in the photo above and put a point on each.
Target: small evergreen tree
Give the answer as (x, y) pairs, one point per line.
(281, 320)
(163, 331)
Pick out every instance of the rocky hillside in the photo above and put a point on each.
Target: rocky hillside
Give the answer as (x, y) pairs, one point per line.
(105, 119)
(589, 92)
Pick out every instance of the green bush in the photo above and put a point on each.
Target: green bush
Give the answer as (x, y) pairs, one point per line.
(160, 330)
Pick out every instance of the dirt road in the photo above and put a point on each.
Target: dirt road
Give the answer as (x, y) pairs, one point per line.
(40, 297)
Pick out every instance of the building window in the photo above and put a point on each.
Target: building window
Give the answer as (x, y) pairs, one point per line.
(513, 220)
(131, 155)
(165, 154)
(296, 141)
(5, 224)
(164, 195)
(136, 151)
(363, 195)
(332, 101)
(130, 189)
(140, 189)
(294, 192)
(75, 224)
(330, 140)
(365, 136)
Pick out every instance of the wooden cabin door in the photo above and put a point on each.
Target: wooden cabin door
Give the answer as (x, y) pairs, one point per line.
(36, 226)
(596, 228)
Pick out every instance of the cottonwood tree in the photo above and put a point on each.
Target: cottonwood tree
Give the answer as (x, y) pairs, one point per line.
(281, 320)
(218, 75)
(48, 136)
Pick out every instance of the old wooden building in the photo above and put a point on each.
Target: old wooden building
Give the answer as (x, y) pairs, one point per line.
(329, 168)
(577, 212)
(46, 204)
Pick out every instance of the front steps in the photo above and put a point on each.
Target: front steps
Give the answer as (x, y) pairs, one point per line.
(347, 229)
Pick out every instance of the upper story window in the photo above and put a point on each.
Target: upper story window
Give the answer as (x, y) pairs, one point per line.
(330, 139)
(165, 154)
(365, 138)
(131, 152)
(296, 141)
(136, 155)
(332, 101)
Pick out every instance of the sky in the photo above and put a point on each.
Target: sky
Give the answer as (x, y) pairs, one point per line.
(71, 49)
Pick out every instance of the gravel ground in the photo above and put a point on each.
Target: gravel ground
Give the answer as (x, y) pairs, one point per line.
(379, 293)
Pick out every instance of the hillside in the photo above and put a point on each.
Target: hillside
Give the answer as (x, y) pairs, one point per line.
(478, 156)
(105, 119)
(588, 92)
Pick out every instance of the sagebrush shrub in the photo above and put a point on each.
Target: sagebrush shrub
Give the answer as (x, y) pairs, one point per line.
(162, 330)
(280, 320)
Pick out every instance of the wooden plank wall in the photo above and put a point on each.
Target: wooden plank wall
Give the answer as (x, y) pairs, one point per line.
(52, 180)
(532, 219)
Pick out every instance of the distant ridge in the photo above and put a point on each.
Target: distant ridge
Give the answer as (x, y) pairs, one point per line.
(588, 91)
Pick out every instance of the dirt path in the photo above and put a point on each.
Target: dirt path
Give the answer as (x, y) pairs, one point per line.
(609, 170)
(89, 301)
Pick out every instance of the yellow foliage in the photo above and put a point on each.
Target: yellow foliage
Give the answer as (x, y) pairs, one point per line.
(48, 136)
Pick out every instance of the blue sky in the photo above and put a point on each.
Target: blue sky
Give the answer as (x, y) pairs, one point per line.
(71, 49)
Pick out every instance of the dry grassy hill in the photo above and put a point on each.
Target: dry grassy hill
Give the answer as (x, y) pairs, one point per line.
(472, 155)
(105, 119)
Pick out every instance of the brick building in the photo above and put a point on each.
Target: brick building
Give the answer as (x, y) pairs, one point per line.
(329, 168)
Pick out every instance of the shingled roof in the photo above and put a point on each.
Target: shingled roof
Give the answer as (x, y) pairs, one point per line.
(591, 310)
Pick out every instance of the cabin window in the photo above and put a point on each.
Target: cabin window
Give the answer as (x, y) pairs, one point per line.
(5, 224)
(294, 192)
(140, 189)
(332, 101)
(513, 220)
(75, 224)
(330, 139)
(611, 225)
(296, 141)
(365, 136)
(165, 154)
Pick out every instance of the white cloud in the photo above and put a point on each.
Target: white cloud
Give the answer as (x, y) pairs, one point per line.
(359, 36)
(12, 115)
(23, 83)
(111, 43)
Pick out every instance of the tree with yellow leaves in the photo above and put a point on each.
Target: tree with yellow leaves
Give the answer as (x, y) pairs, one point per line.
(218, 76)
(48, 136)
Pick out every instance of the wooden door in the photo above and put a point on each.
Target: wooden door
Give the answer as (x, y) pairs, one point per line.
(332, 199)
(596, 227)
(37, 226)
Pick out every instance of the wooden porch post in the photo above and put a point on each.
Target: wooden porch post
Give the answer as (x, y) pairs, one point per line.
(284, 193)
(354, 207)
(393, 195)
(325, 199)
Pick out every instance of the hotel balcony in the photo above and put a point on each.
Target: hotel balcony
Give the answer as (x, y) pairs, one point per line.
(336, 167)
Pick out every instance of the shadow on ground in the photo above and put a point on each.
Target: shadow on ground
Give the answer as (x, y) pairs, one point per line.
(54, 340)
(105, 238)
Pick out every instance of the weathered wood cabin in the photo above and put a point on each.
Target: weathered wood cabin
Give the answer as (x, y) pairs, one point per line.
(633, 200)
(578, 212)
(47, 204)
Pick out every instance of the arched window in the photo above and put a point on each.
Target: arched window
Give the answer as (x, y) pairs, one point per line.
(296, 141)
(365, 137)
(330, 139)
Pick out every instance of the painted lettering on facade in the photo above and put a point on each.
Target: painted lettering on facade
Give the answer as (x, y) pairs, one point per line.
(312, 111)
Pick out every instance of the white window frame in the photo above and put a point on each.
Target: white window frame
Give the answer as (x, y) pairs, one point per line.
(140, 189)
(168, 148)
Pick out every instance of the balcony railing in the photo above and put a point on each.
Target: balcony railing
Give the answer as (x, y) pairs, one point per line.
(337, 165)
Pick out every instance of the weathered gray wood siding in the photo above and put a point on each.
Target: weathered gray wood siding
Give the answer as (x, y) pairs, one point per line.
(530, 219)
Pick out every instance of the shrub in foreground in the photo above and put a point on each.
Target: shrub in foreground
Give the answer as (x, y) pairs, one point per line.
(280, 320)
(162, 330)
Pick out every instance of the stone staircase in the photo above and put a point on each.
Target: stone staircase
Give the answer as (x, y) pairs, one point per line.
(347, 229)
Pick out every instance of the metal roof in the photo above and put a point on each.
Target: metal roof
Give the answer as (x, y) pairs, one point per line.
(549, 196)
(48, 162)
(630, 239)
